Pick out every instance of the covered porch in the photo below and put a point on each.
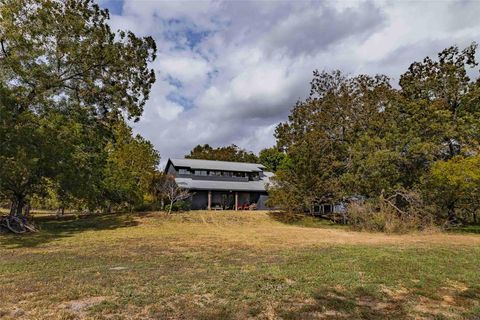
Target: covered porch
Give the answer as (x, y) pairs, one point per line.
(228, 200)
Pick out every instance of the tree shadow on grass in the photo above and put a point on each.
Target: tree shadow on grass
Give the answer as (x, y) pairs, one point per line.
(302, 220)
(53, 228)
(364, 304)
(357, 304)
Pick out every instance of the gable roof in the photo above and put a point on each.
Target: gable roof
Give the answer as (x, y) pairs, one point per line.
(217, 165)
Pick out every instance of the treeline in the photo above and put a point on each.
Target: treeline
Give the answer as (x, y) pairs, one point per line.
(228, 153)
(410, 152)
(269, 157)
(68, 85)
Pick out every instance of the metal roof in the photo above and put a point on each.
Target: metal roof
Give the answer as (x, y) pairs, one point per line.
(195, 184)
(218, 165)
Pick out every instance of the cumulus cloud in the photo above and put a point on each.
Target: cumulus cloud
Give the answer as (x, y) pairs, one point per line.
(230, 71)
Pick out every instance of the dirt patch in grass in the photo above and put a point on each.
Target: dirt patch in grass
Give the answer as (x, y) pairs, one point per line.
(80, 306)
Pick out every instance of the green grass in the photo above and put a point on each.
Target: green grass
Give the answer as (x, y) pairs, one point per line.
(472, 228)
(227, 265)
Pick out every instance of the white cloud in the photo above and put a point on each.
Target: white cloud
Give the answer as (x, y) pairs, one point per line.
(228, 72)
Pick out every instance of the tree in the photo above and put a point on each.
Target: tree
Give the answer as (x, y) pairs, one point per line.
(156, 191)
(318, 137)
(454, 184)
(229, 153)
(271, 158)
(360, 136)
(61, 62)
(438, 119)
(169, 189)
(437, 113)
(131, 165)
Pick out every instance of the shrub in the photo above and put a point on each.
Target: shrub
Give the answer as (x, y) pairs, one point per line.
(401, 213)
(286, 216)
(179, 206)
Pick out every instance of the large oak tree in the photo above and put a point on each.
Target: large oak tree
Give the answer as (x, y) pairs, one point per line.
(66, 78)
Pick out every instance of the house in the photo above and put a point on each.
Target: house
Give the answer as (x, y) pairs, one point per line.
(221, 184)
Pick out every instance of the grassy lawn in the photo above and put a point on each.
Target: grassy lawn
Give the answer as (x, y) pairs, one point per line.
(227, 265)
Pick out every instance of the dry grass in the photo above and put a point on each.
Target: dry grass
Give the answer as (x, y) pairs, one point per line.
(233, 265)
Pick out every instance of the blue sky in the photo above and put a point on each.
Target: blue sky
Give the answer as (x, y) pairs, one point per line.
(230, 71)
(114, 6)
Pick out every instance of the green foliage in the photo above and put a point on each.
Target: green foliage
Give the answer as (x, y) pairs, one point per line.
(66, 81)
(360, 136)
(271, 158)
(228, 153)
(131, 165)
(455, 184)
(320, 134)
(66, 49)
(178, 206)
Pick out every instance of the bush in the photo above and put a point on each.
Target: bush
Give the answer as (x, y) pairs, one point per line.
(145, 207)
(179, 206)
(379, 216)
(286, 216)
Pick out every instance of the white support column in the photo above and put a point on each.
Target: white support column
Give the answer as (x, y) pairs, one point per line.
(209, 200)
(236, 201)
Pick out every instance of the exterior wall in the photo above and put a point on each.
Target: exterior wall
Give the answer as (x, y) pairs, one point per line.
(199, 200)
(212, 178)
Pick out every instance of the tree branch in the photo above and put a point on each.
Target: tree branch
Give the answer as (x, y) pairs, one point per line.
(4, 51)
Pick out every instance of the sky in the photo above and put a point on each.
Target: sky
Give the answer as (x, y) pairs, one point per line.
(229, 71)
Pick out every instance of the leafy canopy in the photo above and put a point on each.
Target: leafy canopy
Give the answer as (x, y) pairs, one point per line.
(360, 136)
(228, 153)
(66, 81)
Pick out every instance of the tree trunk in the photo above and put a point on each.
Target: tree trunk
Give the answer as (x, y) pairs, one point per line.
(452, 214)
(13, 209)
(170, 207)
(18, 203)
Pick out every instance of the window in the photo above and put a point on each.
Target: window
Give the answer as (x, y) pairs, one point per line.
(239, 174)
(201, 172)
(253, 176)
(183, 171)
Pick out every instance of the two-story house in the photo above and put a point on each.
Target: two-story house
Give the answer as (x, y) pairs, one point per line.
(221, 184)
